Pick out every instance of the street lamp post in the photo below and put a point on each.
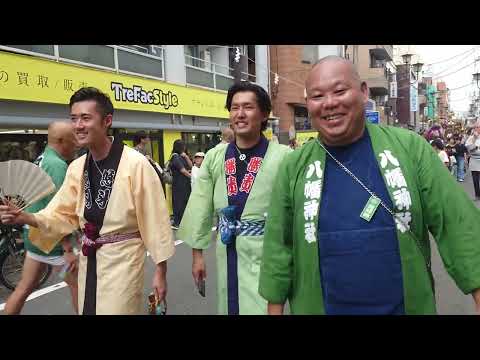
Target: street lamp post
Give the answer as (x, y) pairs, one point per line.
(417, 68)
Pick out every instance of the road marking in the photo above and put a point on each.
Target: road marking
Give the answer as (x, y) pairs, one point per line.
(41, 292)
(60, 285)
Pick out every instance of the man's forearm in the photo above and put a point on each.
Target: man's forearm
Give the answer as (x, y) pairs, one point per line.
(476, 298)
(275, 309)
(162, 268)
(28, 219)
(196, 253)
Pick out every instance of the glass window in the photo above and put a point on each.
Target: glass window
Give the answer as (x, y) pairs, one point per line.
(310, 54)
(302, 122)
(139, 64)
(42, 49)
(195, 56)
(92, 54)
(223, 82)
(200, 142)
(199, 77)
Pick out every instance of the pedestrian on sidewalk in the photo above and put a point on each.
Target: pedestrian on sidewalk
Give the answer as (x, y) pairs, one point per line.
(461, 156)
(140, 141)
(181, 167)
(473, 146)
(197, 163)
(236, 183)
(348, 228)
(114, 195)
(451, 152)
(61, 148)
(437, 144)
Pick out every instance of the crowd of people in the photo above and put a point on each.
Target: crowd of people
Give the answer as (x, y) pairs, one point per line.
(339, 225)
(459, 151)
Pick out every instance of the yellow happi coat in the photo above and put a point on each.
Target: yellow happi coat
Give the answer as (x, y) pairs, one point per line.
(137, 203)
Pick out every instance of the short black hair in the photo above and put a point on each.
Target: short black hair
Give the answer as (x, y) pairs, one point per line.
(438, 144)
(139, 136)
(263, 99)
(104, 104)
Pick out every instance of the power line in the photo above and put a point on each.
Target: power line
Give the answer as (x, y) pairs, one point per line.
(453, 57)
(448, 68)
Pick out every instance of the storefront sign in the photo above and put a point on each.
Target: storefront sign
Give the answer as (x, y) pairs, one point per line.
(27, 78)
(373, 116)
(303, 137)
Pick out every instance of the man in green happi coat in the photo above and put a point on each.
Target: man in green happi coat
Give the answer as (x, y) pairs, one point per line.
(235, 183)
(348, 229)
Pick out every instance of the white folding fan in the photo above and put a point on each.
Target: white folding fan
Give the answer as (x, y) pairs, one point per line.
(22, 183)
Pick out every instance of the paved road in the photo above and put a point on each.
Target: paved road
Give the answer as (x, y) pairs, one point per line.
(184, 299)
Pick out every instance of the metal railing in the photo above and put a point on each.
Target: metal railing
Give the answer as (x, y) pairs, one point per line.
(124, 64)
(208, 74)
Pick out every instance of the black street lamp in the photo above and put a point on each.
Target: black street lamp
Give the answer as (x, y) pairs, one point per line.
(417, 68)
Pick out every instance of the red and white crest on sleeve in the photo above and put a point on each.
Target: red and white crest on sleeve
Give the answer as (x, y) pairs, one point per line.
(230, 167)
(247, 183)
(232, 188)
(254, 164)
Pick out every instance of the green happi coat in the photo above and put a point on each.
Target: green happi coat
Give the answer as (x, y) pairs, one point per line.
(208, 197)
(290, 264)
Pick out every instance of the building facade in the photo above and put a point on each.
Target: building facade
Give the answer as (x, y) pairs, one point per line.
(171, 91)
(292, 63)
(374, 64)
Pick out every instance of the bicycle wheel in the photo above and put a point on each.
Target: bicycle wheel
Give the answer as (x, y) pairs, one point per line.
(11, 269)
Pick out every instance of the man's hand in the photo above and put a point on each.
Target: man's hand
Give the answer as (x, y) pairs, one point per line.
(476, 298)
(199, 271)
(10, 215)
(274, 309)
(159, 283)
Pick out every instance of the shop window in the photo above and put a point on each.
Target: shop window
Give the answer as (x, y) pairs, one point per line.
(200, 142)
(302, 122)
(310, 54)
(91, 54)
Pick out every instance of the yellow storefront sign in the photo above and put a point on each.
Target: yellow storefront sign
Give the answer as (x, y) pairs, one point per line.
(303, 137)
(27, 78)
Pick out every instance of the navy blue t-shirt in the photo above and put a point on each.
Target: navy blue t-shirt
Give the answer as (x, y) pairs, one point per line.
(359, 261)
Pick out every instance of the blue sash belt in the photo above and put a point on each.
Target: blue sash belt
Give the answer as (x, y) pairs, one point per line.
(230, 227)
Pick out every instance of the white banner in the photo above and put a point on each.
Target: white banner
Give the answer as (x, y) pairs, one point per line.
(413, 97)
(393, 90)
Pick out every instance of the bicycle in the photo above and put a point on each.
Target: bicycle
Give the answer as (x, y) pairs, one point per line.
(12, 257)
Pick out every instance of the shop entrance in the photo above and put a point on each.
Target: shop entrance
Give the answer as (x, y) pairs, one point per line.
(154, 147)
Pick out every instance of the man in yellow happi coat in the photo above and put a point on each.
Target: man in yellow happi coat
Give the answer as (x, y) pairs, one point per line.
(114, 195)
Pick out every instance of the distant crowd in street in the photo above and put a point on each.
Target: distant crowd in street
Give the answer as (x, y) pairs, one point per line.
(459, 151)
